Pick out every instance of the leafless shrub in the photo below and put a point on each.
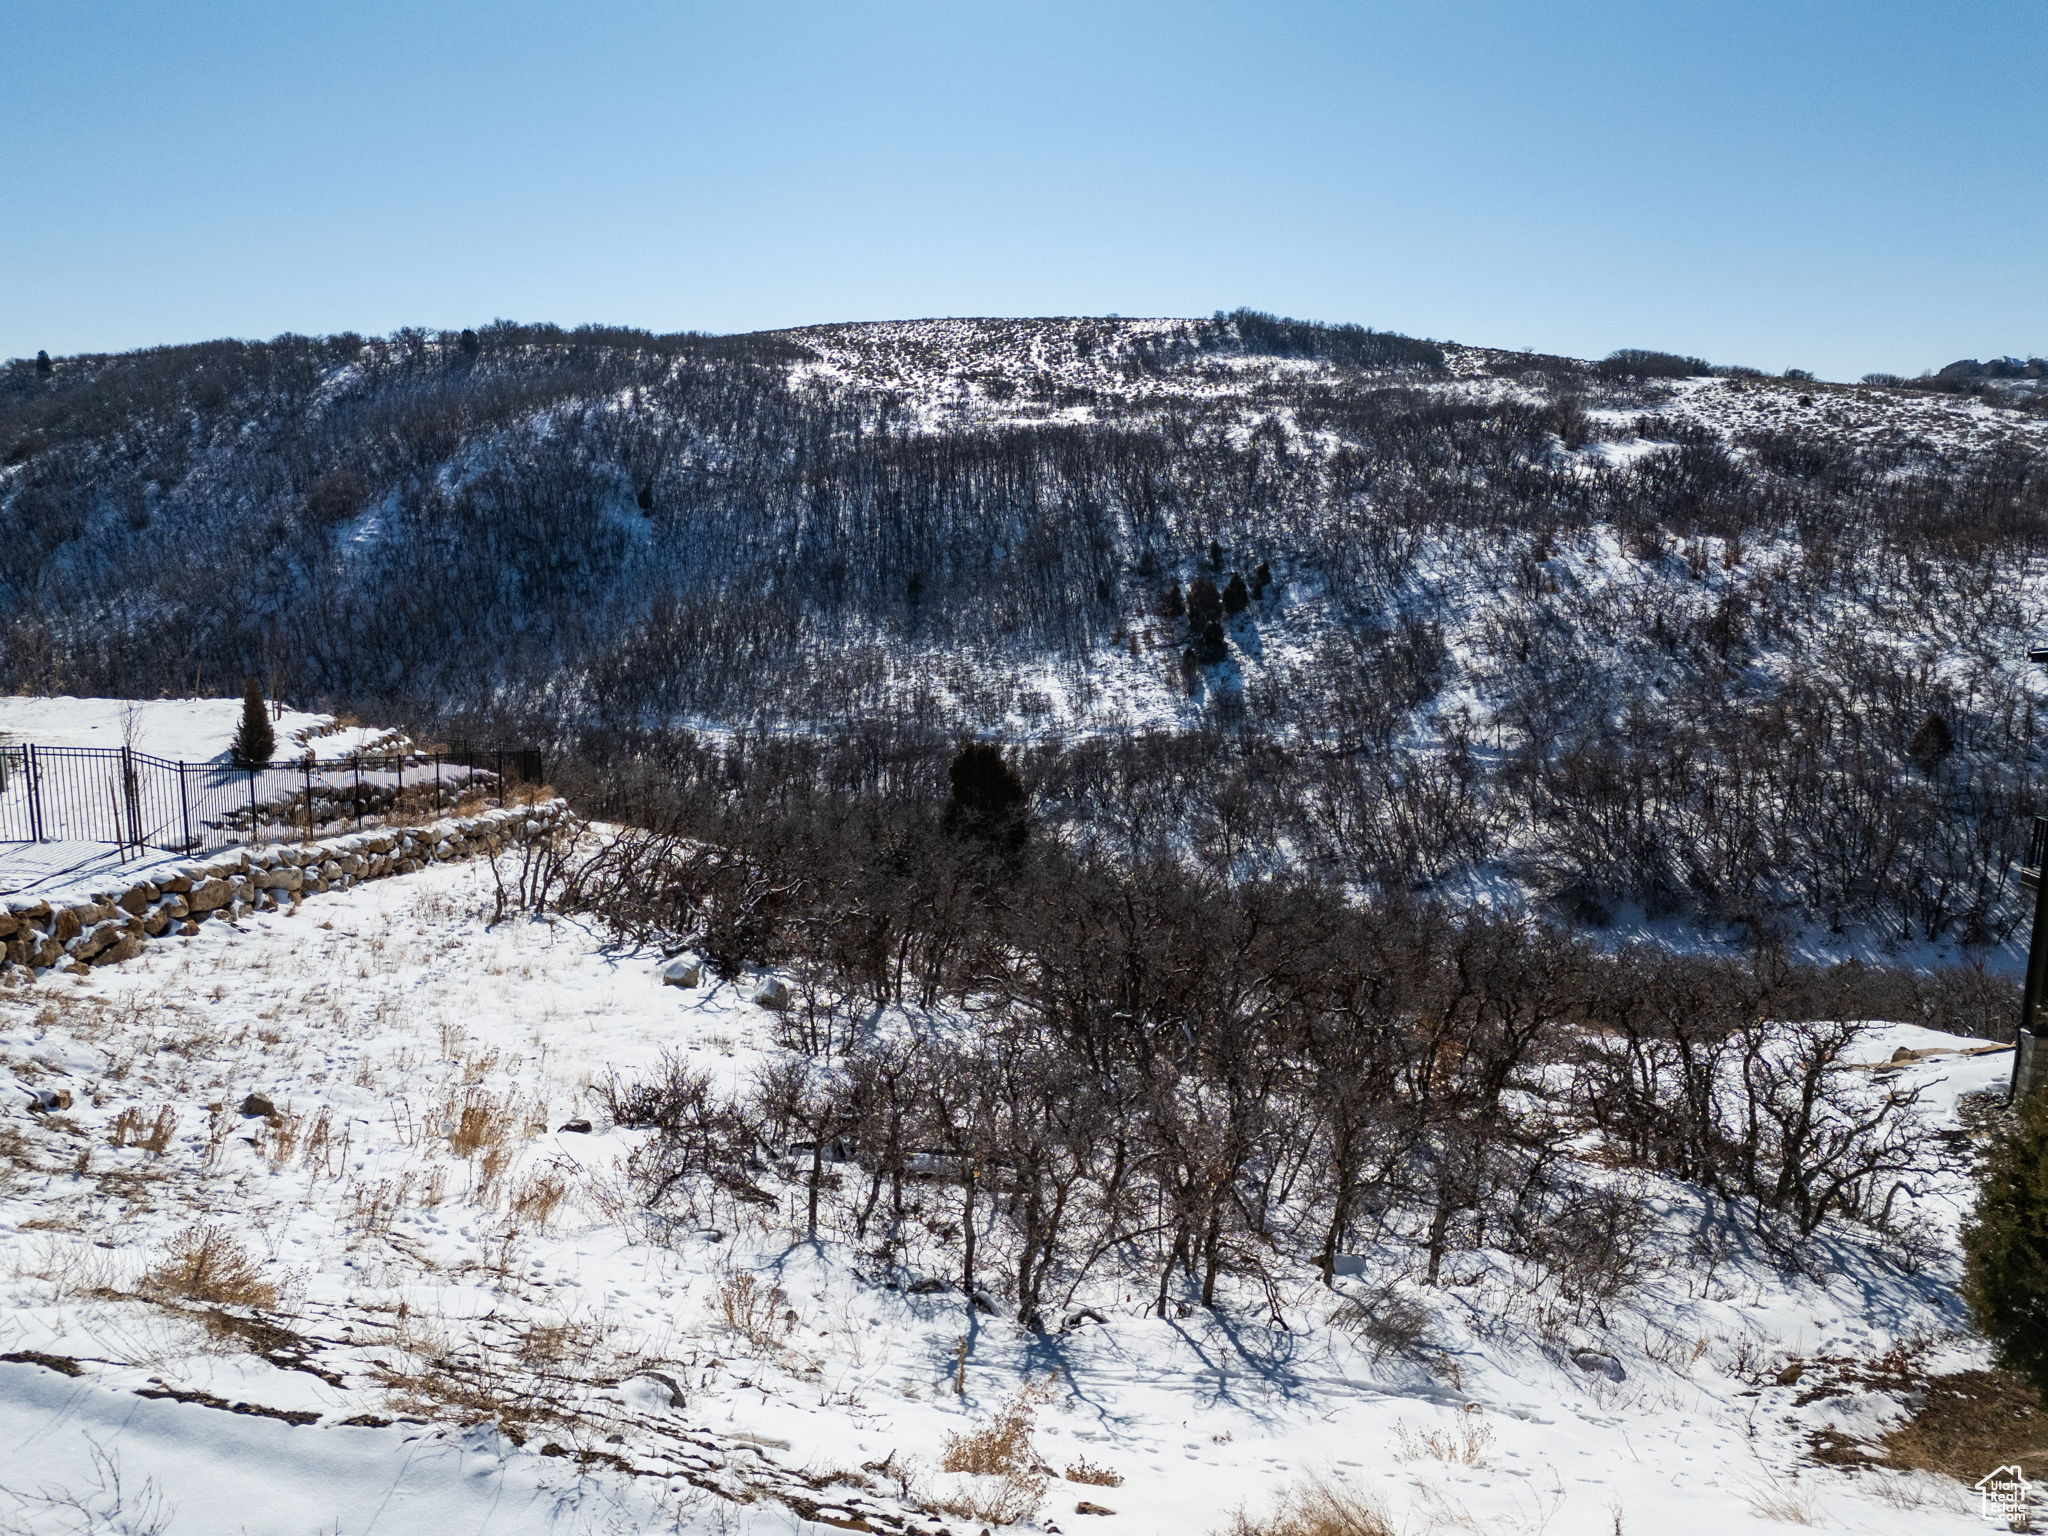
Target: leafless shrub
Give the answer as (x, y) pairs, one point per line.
(1319, 1508)
(1086, 1471)
(754, 1310)
(1003, 1445)
(206, 1264)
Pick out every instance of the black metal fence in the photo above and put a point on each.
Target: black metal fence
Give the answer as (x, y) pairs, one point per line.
(135, 801)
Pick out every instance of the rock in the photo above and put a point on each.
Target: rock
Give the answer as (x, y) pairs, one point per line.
(187, 928)
(156, 923)
(773, 994)
(10, 923)
(48, 1101)
(209, 896)
(126, 947)
(1087, 1508)
(1599, 1362)
(288, 878)
(651, 1389)
(256, 1104)
(576, 1127)
(136, 899)
(174, 906)
(66, 926)
(1789, 1376)
(681, 972)
(94, 940)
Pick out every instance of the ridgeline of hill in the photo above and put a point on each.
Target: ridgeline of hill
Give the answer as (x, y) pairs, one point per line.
(1414, 617)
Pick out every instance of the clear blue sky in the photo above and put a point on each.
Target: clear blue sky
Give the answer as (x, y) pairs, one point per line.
(1837, 186)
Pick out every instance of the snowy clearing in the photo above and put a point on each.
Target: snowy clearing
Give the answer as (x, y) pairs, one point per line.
(426, 1306)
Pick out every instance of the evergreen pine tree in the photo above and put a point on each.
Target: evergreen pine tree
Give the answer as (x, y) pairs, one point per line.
(1931, 743)
(2005, 1246)
(44, 367)
(1262, 578)
(1236, 595)
(1215, 555)
(254, 741)
(470, 343)
(989, 802)
(1173, 605)
(1211, 647)
(1205, 605)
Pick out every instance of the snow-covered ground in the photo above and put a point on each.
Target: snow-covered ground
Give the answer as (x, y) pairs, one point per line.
(428, 1249)
(182, 730)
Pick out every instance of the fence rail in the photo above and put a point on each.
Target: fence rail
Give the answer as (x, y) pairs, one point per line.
(136, 801)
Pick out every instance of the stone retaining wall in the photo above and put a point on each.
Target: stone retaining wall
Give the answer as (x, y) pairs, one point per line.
(115, 925)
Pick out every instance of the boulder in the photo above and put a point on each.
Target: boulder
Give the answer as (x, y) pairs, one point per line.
(1597, 1362)
(210, 896)
(101, 936)
(136, 899)
(257, 1105)
(773, 994)
(681, 972)
(155, 923)
(125, 947)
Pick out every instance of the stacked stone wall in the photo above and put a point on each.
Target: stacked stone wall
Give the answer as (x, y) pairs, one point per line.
(116, 924)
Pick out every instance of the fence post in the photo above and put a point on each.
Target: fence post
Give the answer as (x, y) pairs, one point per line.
(398, 794)
(358, 759)
(185, 806)
(131, 800)
(33, 769)
(309, 795)
(252, 802)
(437, 783)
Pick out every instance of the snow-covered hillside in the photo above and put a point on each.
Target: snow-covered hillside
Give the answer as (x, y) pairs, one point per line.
(1631, 640)
(325, 1230)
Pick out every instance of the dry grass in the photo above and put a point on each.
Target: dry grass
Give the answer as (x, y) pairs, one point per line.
(1006, 1499)
(1969, 1423)
(1003, 1445)
(1464, 1444)
(535, 1202)
(754, 1310)
(206, 1264)
(477, 1122)
(1319, 1508)
(1085, 1471)
(1781, 1498)
(152, 1133)
(74, 1270)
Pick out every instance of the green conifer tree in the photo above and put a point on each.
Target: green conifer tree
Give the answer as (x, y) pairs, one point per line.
(2005, 1246)
(254, 741)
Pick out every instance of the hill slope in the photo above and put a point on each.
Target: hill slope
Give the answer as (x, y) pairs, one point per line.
(1632, 634)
